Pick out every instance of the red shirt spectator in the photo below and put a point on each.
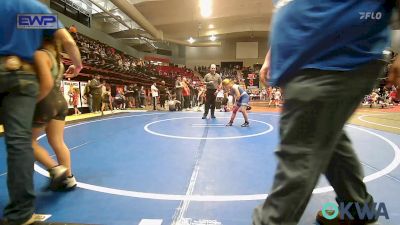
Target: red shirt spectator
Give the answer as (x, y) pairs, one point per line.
(73, 29)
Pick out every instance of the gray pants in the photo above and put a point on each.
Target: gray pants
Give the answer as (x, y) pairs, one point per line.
(313, 142)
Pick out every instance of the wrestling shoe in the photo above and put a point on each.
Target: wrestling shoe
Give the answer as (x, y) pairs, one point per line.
(245, 124)
(57, 176)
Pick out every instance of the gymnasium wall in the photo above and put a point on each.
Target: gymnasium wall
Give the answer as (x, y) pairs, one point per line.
(196, 56)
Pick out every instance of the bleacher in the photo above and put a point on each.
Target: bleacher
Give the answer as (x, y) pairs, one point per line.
(117, 67)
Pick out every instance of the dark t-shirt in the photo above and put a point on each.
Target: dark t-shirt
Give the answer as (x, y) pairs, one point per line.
(135, 91)
(178, 89)
(162, 90)
(212, 81)
(113, 90)
(94, 89)
(129, 91)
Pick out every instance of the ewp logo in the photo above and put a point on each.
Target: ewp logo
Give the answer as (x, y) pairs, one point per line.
(37, 21)
(364, 212)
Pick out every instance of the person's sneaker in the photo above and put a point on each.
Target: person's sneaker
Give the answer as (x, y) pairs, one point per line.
(213, 117)
(321, 220)
(30, 220)
(57, 176)
(245, 124)
(204, 117)
(69, 183)
(229, 124)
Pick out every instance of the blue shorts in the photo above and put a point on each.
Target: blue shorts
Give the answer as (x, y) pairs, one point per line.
(243, 100)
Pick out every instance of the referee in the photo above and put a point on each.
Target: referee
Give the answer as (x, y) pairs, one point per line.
(213, 83)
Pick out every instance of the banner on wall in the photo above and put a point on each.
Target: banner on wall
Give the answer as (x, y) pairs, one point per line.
(84, 100)
(157, 59)
(251, 77)
(252, 80)
(72, 93)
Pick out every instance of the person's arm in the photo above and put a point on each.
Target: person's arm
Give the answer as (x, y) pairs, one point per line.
(178, 85)
(205, 79)
(264, 71)
(91, 84)
(70, 47)
(199, 94)
(219, 82)
(43, 65)
(237, 93)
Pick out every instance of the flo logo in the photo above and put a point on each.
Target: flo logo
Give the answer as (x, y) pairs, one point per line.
(370, 15)
(364, 212)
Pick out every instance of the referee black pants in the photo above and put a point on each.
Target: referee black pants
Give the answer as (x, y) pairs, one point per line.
(210, 102)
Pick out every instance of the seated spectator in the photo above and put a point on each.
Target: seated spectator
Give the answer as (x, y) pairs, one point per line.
(173, 105)
(119, 100)
(393, 97)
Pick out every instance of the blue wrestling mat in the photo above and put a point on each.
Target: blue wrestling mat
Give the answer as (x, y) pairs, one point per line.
(175, 168)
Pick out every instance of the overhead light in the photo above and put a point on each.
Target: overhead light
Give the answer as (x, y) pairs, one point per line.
(117, 14)
(191, 40)
(213, 38)
(205, 8)
(211, 26)
(386, 52)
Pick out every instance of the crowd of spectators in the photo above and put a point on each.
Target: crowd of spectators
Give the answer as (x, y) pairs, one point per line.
(99, 55)
(100, 59)
(385, 94)
(232, 72)
(96, 54)
(382, 97)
